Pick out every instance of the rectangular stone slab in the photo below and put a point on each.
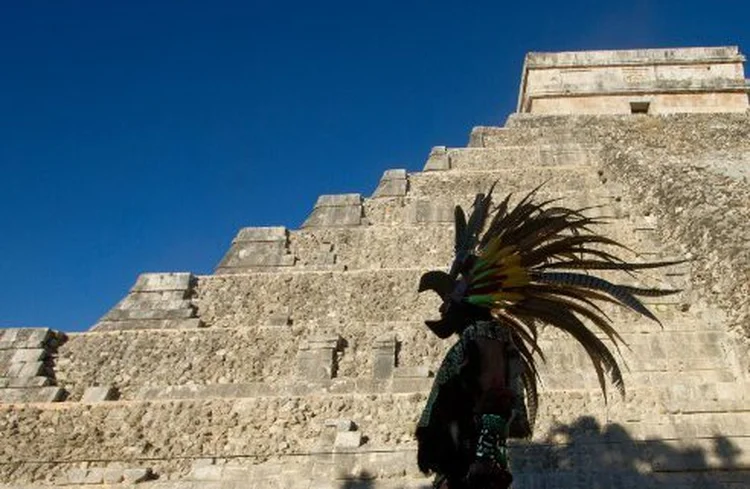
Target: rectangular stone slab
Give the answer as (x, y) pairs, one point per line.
(157, 282)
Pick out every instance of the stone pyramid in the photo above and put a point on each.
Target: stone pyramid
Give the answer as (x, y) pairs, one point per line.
(303, 361)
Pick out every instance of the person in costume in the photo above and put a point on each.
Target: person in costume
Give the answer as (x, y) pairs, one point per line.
(515, 269)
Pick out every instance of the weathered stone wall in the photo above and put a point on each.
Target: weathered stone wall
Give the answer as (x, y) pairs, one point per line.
(139, 363)
(173, 437)
(374, 247)
(169, 434)
(675, 168)
(360, 296)
(141, 359)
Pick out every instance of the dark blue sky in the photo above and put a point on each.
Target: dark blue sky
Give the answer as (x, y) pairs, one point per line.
(140, 136)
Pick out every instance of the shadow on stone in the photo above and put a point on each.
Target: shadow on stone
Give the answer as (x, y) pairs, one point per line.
(364, 480)
(588, 454)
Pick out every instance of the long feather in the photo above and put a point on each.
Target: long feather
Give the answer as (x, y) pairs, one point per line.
(591, 282)
(599, 265)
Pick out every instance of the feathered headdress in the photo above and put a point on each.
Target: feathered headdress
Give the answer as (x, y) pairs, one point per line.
(531, 265)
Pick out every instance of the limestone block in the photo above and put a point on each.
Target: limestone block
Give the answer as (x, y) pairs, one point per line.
(30, 369)
(158, 282)
(94, 476)
(40, 394)
(49, 394)
(316, 359)
(384, 357)
(135, 324)
(425, 211)
(338, 200)
(29, 355)
(202, 462)
(23, 382)
(166, 299)
(438, 159)
(266, 234)
(348, 439)
(145, 301)
(258, 247)
(8, 337)
(113, 475)
(263, 254)
(158, 300)
(29, 338)
(77, 476)
(207, 472)
(137, 314)
(393, 183)
(99, 394)
(13, 369)
(136, 475)
(336, 211)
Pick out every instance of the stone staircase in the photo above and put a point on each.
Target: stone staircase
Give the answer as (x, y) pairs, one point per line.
(303, 361)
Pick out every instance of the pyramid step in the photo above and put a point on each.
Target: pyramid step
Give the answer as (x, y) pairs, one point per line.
(438, 206)
(24, 395)
(369, 296)
(384, 470)
(141, 363)
(665, 359)
(276, 428)
(426, 246)
(140, 359)
(463, 183)
(636, 375)
(411, 232)
(704, 397)
(185, 429)
(262, 418)
(498, 137)
(612, 458)
(433, 207)
(513, 157)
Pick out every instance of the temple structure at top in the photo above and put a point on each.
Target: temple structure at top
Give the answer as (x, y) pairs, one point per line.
(652, 81)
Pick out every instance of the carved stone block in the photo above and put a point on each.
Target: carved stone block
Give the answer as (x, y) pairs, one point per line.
(336, 211)
(393, 183)
(316, 359)
(425, 211)
(157, 282)
(384, 357)
(438, 159)
(99, 394)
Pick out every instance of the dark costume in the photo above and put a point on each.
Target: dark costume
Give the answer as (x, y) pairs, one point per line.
(508, 276)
